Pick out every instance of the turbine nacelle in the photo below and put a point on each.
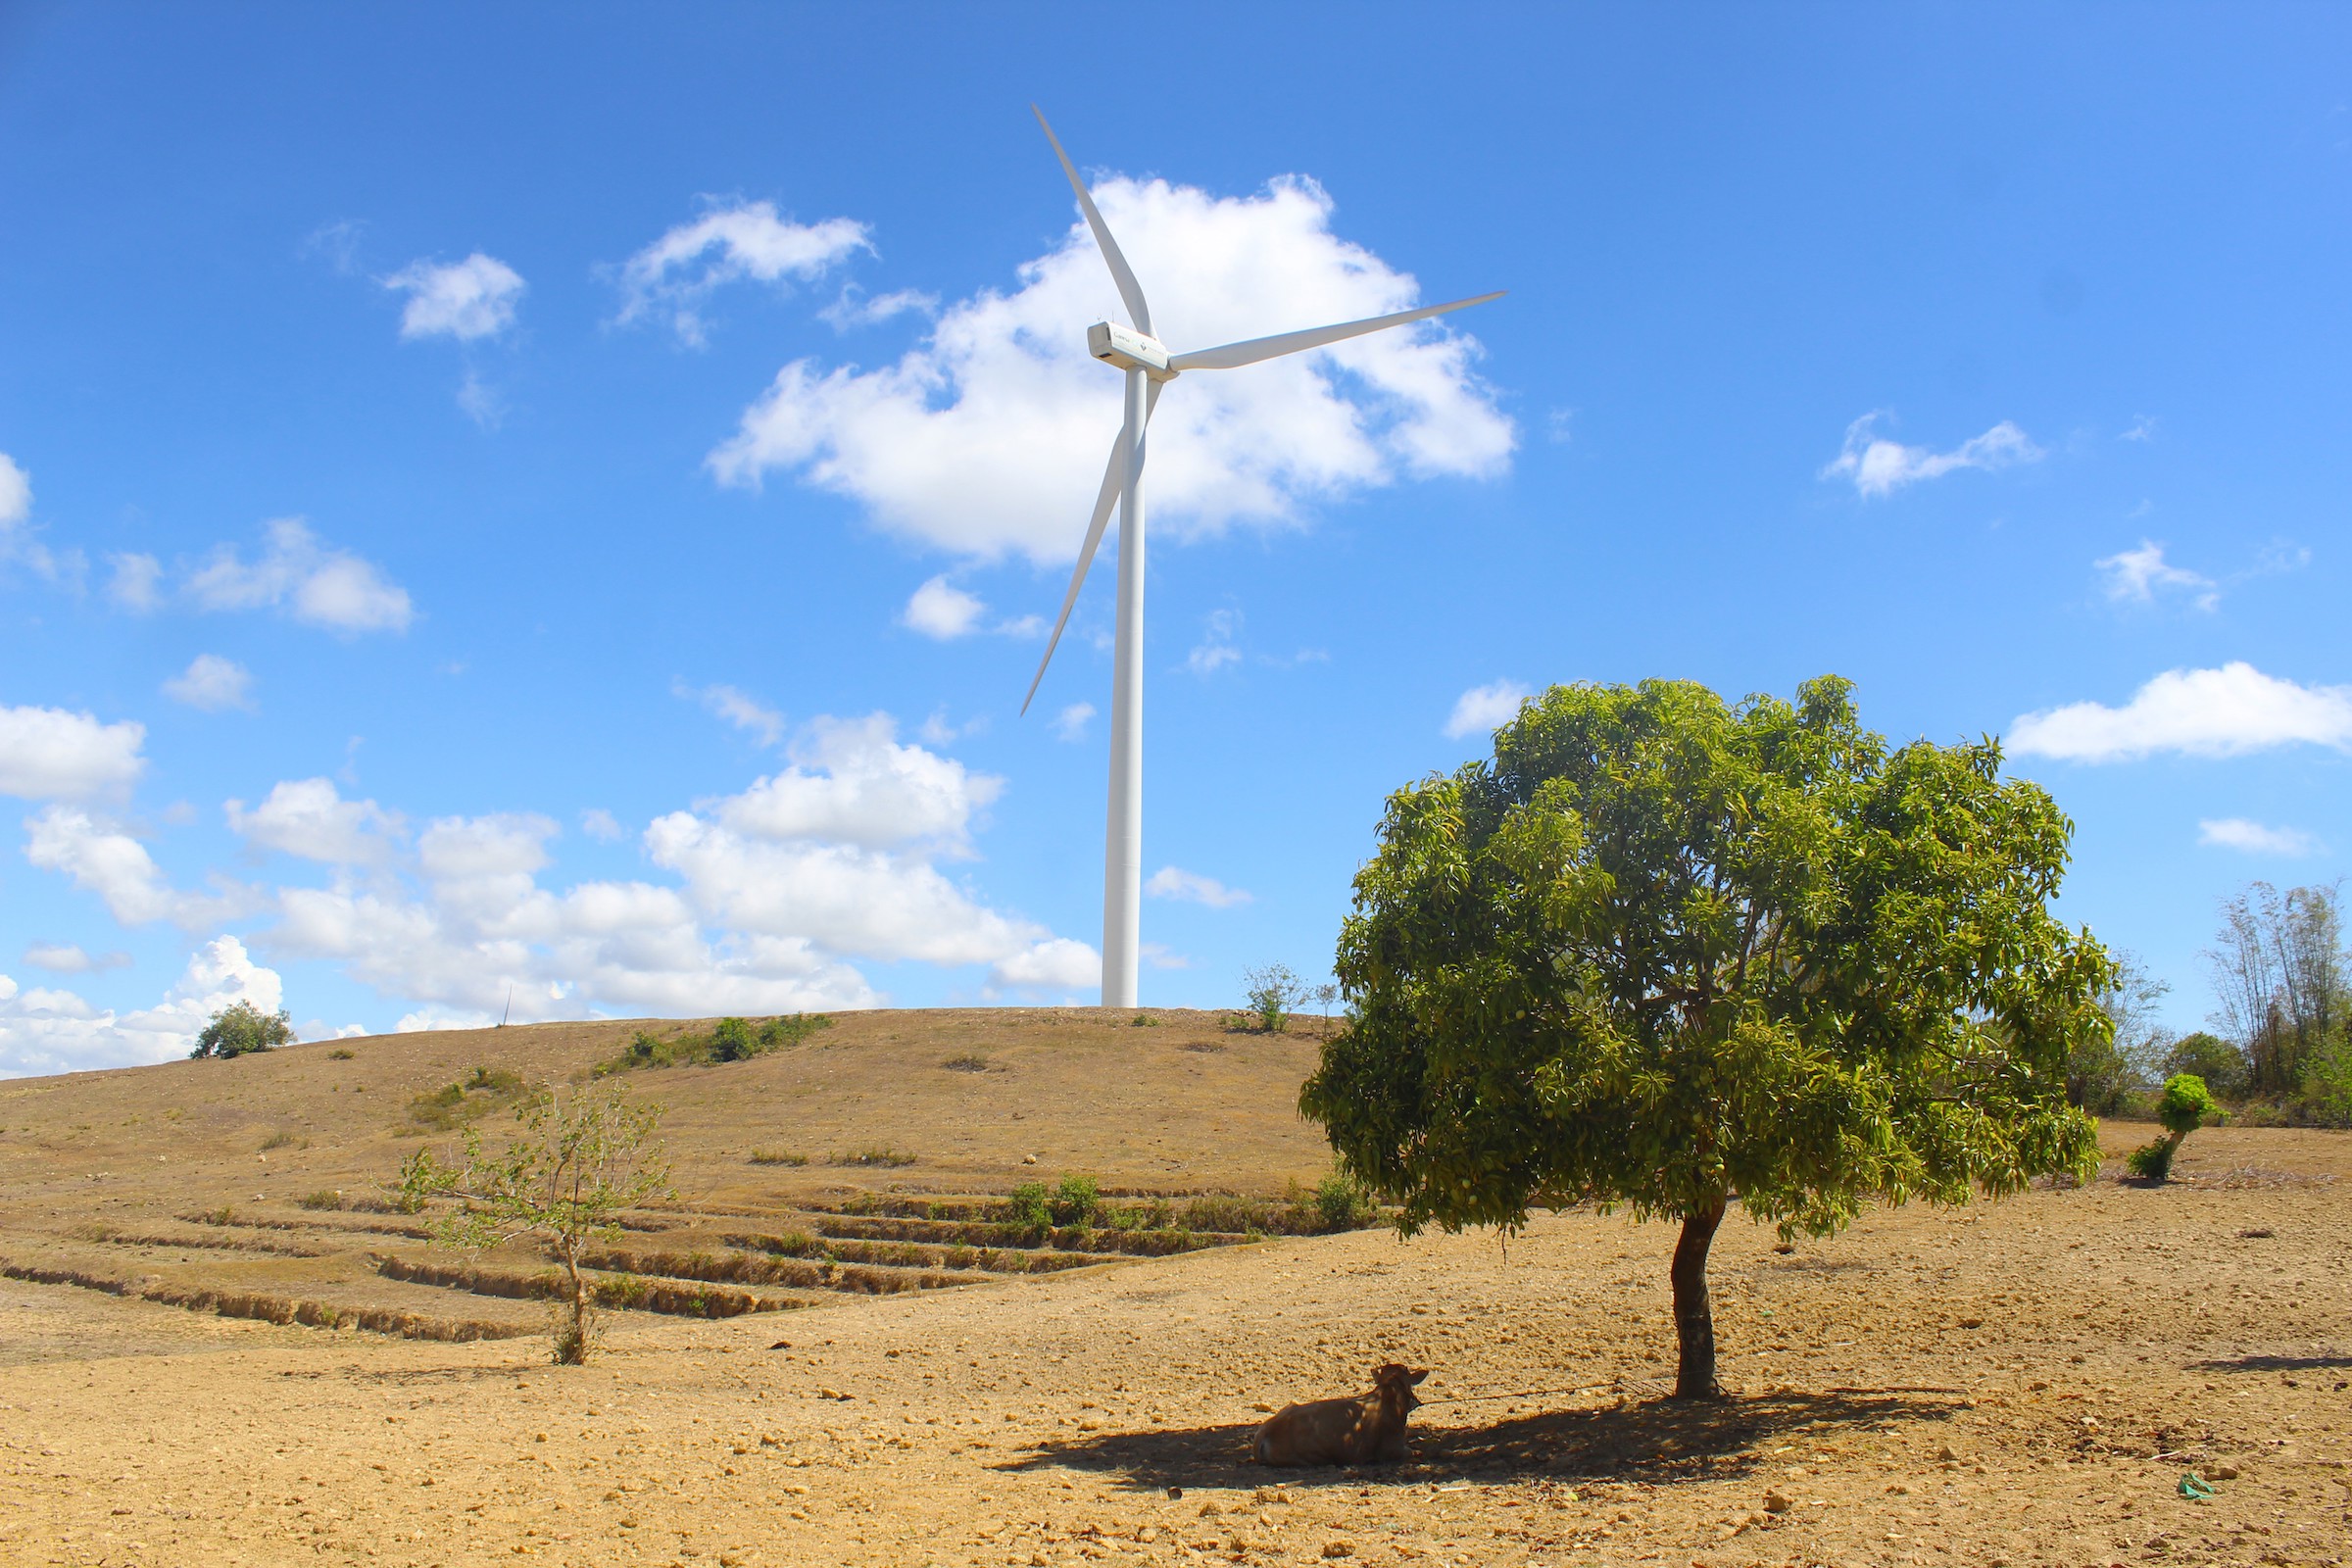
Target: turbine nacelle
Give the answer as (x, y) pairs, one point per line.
(1129, 350)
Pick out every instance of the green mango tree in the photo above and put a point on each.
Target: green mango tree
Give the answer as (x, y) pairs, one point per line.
(1667, 954)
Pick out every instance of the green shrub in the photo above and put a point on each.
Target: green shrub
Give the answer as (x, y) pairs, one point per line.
(451, 1105)
(730, 1039)
(322, 1198)
(1273, 991)
(2184, 1104)
(341, 1053)
(1341, 1204)
(2327, 1084)
(1076, 1202)
(1030, 1207)
(2152, 1162)
(777, 1156)
(240, 1029)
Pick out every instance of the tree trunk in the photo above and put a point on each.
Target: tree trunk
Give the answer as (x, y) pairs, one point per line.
(1693, 1319)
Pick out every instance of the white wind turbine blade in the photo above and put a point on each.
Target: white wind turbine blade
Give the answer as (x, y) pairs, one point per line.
(1114, 481)
(1129, 289)
(1234, 355)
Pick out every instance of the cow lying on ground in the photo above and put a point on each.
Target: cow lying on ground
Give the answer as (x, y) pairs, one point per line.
(1366, 1430)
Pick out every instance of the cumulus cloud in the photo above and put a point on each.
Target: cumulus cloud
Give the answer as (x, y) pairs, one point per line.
(1482, 709)
(780, 892)
(939, 608)
(101, 857)
(472, 299)
(48, 1031)
(48, 754)
(2255, 838)
(2200, 713)
(1169, 882)
(1879, 467)
(315, 582)
(739, 708)
(989, 437)
(671, 278)
(309, 818)
(212, 684)
(2139, 577)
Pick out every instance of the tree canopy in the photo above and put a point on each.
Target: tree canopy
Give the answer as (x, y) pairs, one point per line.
(1662, 952)
(241, 1028)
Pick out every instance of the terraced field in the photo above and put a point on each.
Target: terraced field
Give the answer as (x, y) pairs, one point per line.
(867, 1159)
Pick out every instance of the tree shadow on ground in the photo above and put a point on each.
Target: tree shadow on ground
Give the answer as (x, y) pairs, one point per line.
(1659, 1441)
(2272, 1363)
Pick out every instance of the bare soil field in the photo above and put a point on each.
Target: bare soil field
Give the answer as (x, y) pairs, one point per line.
(839, 1362)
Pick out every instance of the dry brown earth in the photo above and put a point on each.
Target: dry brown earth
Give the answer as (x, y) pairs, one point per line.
(2100, 1343)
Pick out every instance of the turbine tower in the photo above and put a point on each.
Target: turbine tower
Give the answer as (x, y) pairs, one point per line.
(1149, 368)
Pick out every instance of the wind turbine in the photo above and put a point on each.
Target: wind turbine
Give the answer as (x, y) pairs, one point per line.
(1150, 367)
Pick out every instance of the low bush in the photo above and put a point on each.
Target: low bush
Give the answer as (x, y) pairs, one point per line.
(888, 1157)
(282, 1138)
(730, 1039)
(1272, 991)
(452, 1105)
(969, 1061)
(342, 1054)
(1076, 1202)
(322, 1199)
(1030, 1207)
(777, 1156)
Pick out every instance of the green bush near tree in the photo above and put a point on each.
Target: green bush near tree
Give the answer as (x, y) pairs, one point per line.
(2182, 1109)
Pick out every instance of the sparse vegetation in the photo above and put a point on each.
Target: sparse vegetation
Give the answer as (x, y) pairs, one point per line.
(777, 1156)
(2285, 984)
(485, 1089)
(1273, 990)
(729, 1040)
(282, 1138)
(577, 1162)
(966, 1062)
(888, 1157)
(1077, 1201)
(342, 1054)
(240, 1029)
(1143, 1020)
(322, 1198)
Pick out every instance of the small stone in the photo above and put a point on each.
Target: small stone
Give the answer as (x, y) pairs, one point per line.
(1338, 1548)
(1778, 1502)
(1262, 1407)
(2220, 1472)
(1209, 1509)
(1947, 1455)
(1148, 1534)
(1030, 1160)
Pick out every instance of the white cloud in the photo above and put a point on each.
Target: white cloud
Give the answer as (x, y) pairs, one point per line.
(1058, 964)
(1879, 467)
(47, 753)
(739, 708)
(310, 819)
(1071, 723)
(1168, 882)
(940, 610)
(1484, 708)
(990, 437)
(601, 826)
(465, 300)
(854, 310)
(322, 586)
(479, 402)
(67, 958)
(2254, 838)
(44, 1031)
(1216, 650)
(100, 858)
(15, 493)
(2202, 713)
(2137, 576)
(851, 781)
(2142, 428)
(671, 276)
(211, 683)
(137, 582)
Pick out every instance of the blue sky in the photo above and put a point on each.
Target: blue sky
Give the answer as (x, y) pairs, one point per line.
(558, 501)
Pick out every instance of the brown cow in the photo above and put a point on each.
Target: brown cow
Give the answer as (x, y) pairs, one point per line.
(1366, 1430)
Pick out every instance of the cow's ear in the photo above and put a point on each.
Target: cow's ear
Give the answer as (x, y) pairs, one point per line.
(1418, 1376)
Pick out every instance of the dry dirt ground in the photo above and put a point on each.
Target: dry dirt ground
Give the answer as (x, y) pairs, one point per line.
(2027, 1382)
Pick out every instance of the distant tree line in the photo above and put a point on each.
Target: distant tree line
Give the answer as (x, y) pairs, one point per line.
(2281, 1046)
